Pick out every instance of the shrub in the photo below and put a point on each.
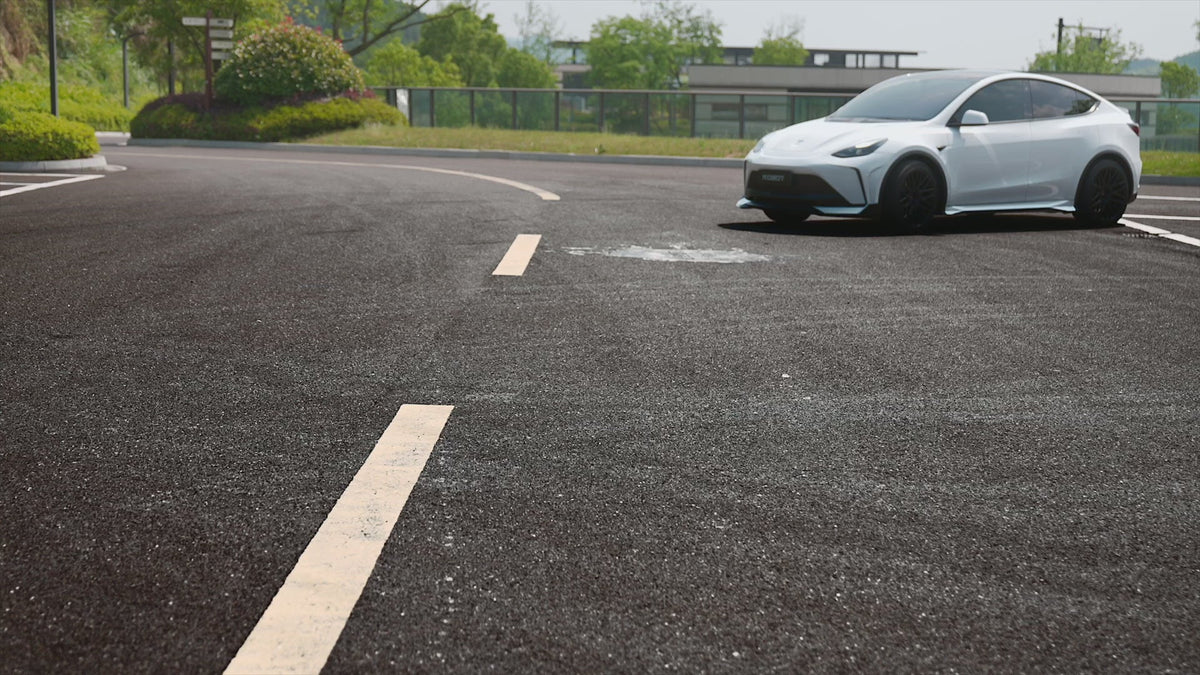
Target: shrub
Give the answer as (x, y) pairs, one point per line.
(185, 117)
(80, 104)
(287, 61)
(35, 137)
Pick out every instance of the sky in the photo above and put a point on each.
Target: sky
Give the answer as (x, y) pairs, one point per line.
(1004, 34)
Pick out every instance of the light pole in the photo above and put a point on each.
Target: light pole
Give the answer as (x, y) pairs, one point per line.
(53, 60)
(125, 64)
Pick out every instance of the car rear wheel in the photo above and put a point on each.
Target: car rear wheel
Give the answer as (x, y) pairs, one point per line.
(788, 217)
(910, 198)
(1103, 195)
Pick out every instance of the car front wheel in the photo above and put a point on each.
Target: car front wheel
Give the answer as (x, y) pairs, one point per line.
(910, 198)
(1103, 195)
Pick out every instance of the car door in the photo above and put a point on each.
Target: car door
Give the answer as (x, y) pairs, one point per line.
(989, 164)
(1063, 140)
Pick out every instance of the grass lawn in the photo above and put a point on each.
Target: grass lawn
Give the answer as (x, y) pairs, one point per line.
(473, 138)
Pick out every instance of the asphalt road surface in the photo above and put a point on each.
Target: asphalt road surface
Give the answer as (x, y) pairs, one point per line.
(672, 435)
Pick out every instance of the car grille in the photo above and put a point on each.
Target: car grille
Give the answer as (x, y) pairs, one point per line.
(793, 187)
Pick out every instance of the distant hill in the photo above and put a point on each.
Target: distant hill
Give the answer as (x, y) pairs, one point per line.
(1151, 66)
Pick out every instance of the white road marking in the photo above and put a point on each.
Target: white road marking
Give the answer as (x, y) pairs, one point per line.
(545, 195)
(1146, 217)
(519, 254)
(38, 186)
(1170, 199)
(300, 627)
(1158, 231)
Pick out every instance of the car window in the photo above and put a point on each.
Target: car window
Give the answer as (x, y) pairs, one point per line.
(908, 97)
(1055, 100)
(1004, 101)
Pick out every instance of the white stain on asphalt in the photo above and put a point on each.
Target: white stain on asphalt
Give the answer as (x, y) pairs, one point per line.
(676, 253)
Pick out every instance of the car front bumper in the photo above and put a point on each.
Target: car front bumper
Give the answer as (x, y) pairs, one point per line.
(829, 189)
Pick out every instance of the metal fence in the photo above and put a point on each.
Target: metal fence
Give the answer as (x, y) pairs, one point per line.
(1167, 124)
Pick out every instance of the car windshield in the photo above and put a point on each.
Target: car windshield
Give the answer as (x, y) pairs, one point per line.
(908, 97)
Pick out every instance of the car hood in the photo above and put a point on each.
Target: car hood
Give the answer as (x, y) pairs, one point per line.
(822, 136)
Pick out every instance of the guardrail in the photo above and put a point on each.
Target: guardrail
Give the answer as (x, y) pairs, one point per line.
(1167, 124)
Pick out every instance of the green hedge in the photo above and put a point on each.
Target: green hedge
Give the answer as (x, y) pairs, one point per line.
(184, 117)
(38, 137)
(80, 104)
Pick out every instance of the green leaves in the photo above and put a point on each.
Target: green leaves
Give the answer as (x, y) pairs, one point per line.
(286, 61)
(652, 52)
(1085, 53)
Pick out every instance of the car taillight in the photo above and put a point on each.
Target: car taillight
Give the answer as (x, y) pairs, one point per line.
(1137, 128)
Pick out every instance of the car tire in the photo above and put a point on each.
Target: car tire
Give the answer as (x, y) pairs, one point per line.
(910, 197)
(1103, 194)
(788, 217)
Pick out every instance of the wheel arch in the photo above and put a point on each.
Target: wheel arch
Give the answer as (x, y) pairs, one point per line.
(1108, 154)
(929, 160)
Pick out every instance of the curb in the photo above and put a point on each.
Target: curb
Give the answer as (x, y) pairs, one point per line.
(1188, 181)
(96, 163)
(645, 160)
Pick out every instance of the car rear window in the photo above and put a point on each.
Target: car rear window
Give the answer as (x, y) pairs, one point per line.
(1055, 100)
(908, 97)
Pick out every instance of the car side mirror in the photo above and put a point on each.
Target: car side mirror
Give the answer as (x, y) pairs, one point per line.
(974, 118)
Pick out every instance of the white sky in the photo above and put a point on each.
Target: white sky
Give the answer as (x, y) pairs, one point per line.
(948, 33)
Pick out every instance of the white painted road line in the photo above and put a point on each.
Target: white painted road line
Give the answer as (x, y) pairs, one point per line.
(303, 622)
(1170, 199)
(1158, 231)
(38, 186)
(1146, 217)
(519, 254)
(545, 195)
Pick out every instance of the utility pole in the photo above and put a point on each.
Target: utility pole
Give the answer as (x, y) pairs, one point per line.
(1058, 59)
(53, 60)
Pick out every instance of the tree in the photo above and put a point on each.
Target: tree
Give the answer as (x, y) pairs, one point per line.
(1179, 80)
(652, 52)
(361, 24)
(781, 47)
(536, 30)
(1086, 53)
(161, 22)
(471, 42)
(474, 44)
(397, 64)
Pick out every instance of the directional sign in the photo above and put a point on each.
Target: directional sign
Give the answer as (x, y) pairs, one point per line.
(220, 56)
(212, 23)
(220, 34)
(221, 44)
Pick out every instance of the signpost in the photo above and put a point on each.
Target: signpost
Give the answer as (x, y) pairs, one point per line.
(218, 34)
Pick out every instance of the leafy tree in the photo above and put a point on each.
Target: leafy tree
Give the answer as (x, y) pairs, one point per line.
(397, 64)
(474, 44)
(1179, 80)
(362, 24)
(1084, 53)
(652, 52)
(470, 41)
(521, 70)
(781, 47)
(161, 22)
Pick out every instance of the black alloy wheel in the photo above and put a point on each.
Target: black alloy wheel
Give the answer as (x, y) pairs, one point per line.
(910, 198)
(1103, 195)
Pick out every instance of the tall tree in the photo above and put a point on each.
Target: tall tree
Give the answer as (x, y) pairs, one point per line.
(652, 52)
(361, 24)
(396, 64)
(536, 30)
(474, 44)
(1086, 53)
(781, 46)
(1179, 80)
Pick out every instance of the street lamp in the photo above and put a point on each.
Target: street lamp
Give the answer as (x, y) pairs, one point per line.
(53, 60)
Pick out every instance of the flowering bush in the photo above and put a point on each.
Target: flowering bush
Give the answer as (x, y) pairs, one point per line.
(286, 62)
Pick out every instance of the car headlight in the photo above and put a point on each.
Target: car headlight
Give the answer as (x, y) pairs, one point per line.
(862, 149)
(758, 146)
